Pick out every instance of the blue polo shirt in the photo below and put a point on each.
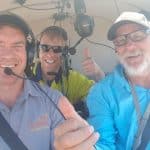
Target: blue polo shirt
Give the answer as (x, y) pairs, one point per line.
(112, 111)
(33, 117)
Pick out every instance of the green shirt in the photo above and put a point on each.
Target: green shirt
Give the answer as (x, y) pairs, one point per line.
(76, 86)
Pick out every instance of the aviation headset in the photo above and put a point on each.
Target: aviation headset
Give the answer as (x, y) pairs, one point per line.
(84, 25)
(16, 21)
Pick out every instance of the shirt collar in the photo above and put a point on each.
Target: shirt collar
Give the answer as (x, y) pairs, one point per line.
(122, 79)
(30, 88)
(119, 76)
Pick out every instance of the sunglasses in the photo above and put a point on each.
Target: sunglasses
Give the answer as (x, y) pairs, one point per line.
(47, 48)
(135, 36)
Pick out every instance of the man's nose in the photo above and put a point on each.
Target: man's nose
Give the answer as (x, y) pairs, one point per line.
(50, 52)
(130, 44)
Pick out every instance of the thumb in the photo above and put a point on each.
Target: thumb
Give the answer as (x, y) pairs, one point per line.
(67, 109)
(86, 53)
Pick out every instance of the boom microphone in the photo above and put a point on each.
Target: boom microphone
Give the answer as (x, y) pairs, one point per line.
(9, 72)
(52, 73)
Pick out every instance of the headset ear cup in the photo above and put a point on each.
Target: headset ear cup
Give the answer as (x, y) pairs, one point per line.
(84, 25)
(30, 48)
(76, 25)
(92, 23)
(30, 56)
(37, 48)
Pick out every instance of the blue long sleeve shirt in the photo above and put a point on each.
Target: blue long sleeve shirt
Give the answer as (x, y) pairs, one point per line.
(112, 111)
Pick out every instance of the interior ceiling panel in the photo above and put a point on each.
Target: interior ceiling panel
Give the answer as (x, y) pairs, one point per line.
(104, 9)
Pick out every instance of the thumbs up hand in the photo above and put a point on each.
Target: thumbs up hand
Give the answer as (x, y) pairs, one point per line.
(74, 133)
(90, 67)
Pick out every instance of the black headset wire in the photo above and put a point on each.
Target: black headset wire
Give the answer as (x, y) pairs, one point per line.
(10, 72)
(53, 103)
(48, 97)
(39, 9)
(101, 44)
(31, 6)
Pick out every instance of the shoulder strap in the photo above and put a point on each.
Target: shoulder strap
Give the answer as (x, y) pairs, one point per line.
(136, 104)
(141, 127)
(145, 136)
(9, 136)
(141, 119)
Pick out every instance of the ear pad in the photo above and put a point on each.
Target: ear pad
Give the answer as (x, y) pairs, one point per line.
(30, 47)
(84, 25)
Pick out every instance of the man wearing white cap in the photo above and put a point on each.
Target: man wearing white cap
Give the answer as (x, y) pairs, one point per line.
(119, 105)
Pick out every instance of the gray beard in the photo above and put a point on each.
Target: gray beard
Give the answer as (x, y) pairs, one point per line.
(143, 68)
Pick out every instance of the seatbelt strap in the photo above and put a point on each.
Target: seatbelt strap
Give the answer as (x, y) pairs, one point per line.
(145, 136)
(9, 136)
(142, 120)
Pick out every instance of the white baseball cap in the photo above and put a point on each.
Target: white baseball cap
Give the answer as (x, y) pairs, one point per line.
(125, 18)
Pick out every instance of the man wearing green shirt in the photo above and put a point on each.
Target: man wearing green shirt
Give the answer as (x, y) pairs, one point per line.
(50, 69)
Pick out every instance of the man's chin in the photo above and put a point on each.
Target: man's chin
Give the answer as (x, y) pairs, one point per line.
(136, 70)
(50, 77)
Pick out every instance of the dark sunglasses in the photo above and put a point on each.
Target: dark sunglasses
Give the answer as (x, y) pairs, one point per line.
(47, 48)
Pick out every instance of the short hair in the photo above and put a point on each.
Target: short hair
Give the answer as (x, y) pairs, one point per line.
(13, 20)
(55, 31)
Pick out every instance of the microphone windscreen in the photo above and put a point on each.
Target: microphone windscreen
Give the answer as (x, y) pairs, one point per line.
(8, 71)
(52, 73)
